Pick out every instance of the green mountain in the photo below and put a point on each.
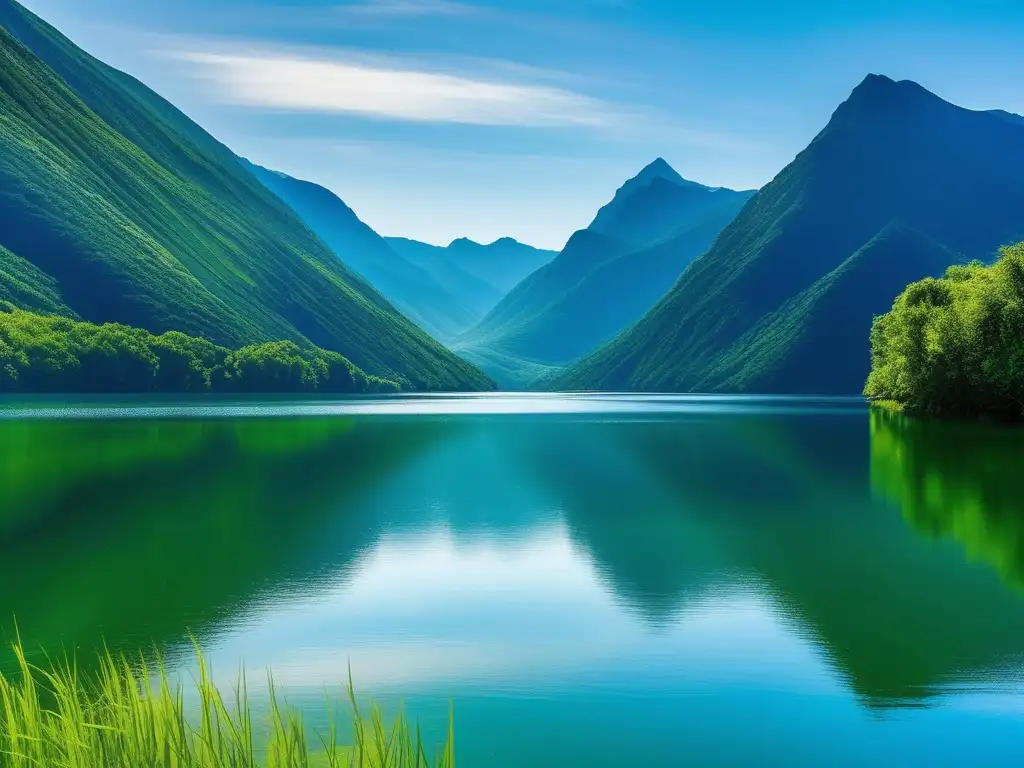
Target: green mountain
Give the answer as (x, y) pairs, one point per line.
(131, 213)
(478, 274)
(25, 285)
(605, 278)
(410, 288)
(829, 315)
(899, 185)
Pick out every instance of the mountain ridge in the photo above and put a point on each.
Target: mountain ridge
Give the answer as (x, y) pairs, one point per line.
(892, 150)
(412, 289)
(478, 274)
(139, 216)
(605, 277)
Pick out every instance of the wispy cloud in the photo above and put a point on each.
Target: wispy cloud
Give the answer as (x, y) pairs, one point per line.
(315, 83)
(406, 8)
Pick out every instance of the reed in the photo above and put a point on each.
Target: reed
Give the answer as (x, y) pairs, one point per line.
(130, 715)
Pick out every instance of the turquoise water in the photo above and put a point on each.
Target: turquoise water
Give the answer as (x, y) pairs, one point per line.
(591, 580)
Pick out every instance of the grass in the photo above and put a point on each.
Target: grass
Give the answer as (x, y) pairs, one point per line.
(130, 715)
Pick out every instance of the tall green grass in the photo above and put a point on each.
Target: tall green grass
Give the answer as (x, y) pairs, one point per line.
(129, 715)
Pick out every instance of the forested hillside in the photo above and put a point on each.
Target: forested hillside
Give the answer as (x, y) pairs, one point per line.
(130, 212)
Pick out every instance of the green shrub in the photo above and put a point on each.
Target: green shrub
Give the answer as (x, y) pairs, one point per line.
(955, 346)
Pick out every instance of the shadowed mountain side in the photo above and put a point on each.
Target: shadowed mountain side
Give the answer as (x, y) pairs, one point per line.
(411, 289)
(1009, 116)
(613, 295)
(500, 265)
(268, 503)
(829, 320)
(650, 207)
(474, 292)
(584, 252)
(605, 278)
(891, 152)
(25, 285)
(140, 217)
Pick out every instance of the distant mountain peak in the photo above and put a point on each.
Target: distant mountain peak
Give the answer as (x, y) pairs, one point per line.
(876, 81)
(659, 168)
(654, 172)
(501, 242)
(878, 92)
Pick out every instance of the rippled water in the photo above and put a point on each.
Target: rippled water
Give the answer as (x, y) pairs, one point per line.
(592, 580)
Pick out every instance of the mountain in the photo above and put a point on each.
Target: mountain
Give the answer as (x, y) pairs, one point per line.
(899, 185)
(605, 278)
(415, 292)
(26, 286)
(652, 204)
(829, 316)
(473, 292)
(1009, 116)
(467, 267)
(130, 212)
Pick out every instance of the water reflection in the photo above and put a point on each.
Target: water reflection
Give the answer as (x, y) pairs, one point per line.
(589, 558)
(139, 531)
(956, 480)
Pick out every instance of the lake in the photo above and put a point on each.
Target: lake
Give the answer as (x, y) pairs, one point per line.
(591, 580)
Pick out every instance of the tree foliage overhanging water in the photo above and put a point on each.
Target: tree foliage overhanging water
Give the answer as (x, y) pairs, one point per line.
(955, 345)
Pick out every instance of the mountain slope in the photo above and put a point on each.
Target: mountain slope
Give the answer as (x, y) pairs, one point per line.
(26, 286)
(501, 264)
(613, 295)
(607, 275)
(473, 292)
(656, 202)
(891, 152)
(139, 216)
(411, 289)
(828, 320)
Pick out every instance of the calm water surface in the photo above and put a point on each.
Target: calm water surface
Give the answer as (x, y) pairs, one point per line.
(594, 581)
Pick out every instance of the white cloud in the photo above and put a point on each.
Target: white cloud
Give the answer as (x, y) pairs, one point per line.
(306, 83)
(394, 8)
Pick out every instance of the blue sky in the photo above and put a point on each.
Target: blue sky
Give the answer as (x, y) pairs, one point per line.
(437, 119)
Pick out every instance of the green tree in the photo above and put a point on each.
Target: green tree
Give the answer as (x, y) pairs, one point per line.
(955, 346)
(47, 353)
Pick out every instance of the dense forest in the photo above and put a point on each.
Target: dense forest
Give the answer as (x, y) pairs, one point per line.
(47, 353)
(954, 346)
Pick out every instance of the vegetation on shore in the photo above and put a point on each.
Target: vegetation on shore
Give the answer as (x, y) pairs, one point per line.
(116, 207)
(954, 346)
(132, 715)
(47, 353)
